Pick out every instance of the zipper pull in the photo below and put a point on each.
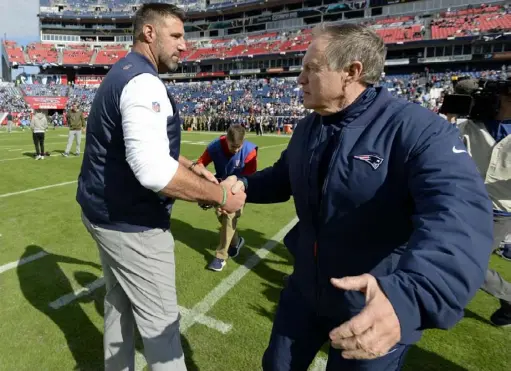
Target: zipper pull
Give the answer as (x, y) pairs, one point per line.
(315, 249)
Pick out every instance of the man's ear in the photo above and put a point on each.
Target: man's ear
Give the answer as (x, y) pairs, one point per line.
(149, 33)
(354, 71)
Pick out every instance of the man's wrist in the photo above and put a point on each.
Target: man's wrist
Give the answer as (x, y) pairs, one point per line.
(224, 197)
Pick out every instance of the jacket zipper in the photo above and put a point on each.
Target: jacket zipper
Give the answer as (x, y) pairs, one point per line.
(320, 212)
(318, 138)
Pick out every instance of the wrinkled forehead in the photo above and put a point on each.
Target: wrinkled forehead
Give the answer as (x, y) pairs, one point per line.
(316, 51)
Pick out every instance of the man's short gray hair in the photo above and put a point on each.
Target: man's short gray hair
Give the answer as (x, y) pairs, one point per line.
(352, 42)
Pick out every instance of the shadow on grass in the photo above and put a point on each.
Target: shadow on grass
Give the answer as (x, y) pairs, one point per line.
(47, 153)
(477, 317)
(423, 360)
(45, 283)
(48, 282)
(205, 243)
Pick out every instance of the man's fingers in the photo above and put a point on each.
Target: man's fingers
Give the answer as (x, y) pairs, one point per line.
(355, 326)
(239, 186)
(211, 177)
(357, 283)
(359, 354)
(350, 343)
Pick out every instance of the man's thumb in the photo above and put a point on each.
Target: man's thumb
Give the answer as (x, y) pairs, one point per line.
(355, 283)
(238, 186)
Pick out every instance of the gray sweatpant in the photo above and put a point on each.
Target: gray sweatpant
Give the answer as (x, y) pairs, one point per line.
(139, 272)
(494, 284)
(70, 140)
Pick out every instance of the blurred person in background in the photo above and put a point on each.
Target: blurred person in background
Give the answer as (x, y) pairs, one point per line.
(10, 122)
(77, 124)
(39, 125)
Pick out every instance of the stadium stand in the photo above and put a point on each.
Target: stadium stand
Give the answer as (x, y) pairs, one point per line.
(265, 97)
(472, 21)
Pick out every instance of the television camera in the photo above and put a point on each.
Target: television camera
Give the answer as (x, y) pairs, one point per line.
(476, 99)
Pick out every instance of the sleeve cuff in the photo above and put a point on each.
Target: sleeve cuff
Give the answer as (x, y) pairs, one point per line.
(163, 176)
(245, 182)
(402, 298)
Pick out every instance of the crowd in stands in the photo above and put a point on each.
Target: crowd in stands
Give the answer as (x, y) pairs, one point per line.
(40, 90)
(213, 105)
(471, 21)
(123, 7)
(11, 99)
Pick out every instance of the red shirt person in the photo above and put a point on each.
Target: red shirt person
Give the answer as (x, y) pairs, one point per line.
(231, 154)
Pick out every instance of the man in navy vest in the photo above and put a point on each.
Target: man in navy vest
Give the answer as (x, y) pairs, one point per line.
(130, 176)
(231, 154)
(395, 223)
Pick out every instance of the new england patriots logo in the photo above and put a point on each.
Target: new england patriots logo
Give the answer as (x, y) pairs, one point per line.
(373, 160)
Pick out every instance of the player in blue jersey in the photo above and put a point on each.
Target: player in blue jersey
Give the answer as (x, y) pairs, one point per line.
(231, 154)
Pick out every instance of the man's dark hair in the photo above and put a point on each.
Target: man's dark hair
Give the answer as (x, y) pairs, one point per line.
(151, 12)
(236, 134)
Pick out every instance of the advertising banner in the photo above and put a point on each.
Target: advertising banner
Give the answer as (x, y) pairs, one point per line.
(47, 102)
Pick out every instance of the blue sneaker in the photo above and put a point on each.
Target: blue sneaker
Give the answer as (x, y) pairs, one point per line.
(235, 250)
(217, 264)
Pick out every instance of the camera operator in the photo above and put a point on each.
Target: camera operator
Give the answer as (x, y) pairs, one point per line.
(487, 136)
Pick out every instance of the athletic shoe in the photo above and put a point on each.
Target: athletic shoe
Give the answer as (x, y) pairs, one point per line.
(235, 250)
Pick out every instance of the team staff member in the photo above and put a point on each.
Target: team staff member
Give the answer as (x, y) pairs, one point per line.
(395, 224)
(131, 173)
(231, 154)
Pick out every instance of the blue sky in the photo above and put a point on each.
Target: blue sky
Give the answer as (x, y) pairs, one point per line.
(18, 20)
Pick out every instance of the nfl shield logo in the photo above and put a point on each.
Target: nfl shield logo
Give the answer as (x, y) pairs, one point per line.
(156, 107)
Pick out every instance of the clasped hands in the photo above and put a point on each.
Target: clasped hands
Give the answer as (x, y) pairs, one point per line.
(235, 195)
(235, 189)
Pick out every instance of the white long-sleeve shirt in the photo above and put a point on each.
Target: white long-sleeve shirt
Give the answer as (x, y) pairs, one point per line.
(145, 107)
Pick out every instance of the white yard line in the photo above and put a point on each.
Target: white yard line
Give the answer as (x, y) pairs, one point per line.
(37, 189)
(319, 364)
(13, 150)
(17, 263)
(14, 159)
(275, 145)
(29, 145)
(100, 282)
(72, 296)
(205, 305)
(210, 322)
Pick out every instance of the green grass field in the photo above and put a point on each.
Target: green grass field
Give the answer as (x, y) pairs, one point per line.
(231, 336)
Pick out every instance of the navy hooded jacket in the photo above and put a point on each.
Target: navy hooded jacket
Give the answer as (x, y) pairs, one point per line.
(399, 201)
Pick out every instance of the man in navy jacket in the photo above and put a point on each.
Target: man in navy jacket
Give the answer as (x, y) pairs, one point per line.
(395, 224)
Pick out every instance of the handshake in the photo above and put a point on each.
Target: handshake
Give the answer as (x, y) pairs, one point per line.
(234, 196)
